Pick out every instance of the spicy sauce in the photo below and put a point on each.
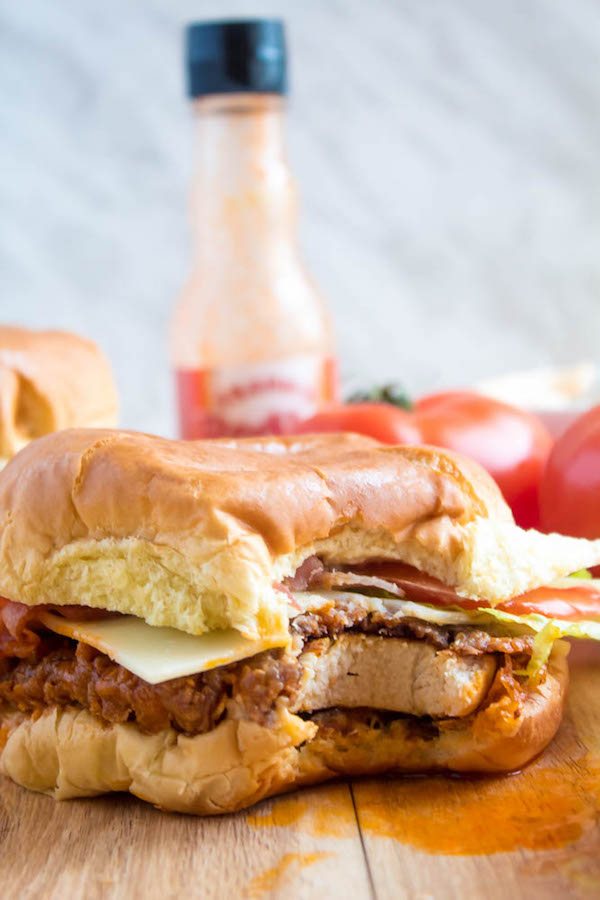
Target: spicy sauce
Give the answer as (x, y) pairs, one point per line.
(252, 342)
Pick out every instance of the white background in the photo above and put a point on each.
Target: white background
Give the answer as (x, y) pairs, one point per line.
(448, 155)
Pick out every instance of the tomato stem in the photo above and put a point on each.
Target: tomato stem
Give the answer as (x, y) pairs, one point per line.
(392, 393)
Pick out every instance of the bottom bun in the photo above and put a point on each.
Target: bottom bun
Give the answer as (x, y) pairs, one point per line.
(68, 753)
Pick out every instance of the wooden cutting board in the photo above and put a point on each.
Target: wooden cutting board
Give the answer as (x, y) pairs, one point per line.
(531, 835)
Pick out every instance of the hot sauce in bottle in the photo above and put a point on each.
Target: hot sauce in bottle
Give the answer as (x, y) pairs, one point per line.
(252, 342)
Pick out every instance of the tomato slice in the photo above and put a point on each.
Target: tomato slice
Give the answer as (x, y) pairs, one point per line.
(567, 603)
(582, 601)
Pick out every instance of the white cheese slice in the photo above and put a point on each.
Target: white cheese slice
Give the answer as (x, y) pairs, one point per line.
(158, 654)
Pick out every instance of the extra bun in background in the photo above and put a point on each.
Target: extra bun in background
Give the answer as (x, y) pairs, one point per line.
(50, 380)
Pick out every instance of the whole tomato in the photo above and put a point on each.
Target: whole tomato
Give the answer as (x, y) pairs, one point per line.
(511, 444)
(570, 486)
(382, 421)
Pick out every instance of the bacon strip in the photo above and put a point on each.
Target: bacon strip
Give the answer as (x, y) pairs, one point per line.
(309, 574)
(415, 585)
(16, 639)
(19, 640)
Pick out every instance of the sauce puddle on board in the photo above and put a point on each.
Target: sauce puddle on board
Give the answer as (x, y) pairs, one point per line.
(543, 808)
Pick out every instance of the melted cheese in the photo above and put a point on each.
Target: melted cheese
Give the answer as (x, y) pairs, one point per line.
(158, 654)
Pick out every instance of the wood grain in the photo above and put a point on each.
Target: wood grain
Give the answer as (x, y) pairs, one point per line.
(532, 835)
(114, 847)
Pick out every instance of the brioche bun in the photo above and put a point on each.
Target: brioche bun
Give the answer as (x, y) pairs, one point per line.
(196, 536)
(50, 380)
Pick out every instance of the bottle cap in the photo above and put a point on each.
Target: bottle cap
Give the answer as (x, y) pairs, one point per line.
(236, 56)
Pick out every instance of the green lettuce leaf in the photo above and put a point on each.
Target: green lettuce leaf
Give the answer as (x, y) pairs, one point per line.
(548, 631)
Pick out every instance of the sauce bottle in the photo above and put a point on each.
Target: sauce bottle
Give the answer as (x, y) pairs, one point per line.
(252, 343)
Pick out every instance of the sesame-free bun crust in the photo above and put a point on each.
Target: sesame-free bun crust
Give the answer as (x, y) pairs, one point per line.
(194, 535)
(67, 753)
(50, 380)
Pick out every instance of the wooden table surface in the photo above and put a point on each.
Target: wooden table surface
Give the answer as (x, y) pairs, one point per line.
(531, 835)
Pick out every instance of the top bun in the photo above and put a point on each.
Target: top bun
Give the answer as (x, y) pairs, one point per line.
(195, 534)
(50, 380)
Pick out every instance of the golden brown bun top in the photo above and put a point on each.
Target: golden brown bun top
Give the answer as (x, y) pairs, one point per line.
(194, 534)
(50, 380)
(291, 491)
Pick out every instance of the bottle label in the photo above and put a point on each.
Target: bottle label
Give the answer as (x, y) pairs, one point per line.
(265, 398)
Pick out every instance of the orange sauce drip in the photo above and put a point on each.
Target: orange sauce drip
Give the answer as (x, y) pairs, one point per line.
(322, 812)
(280, 875)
